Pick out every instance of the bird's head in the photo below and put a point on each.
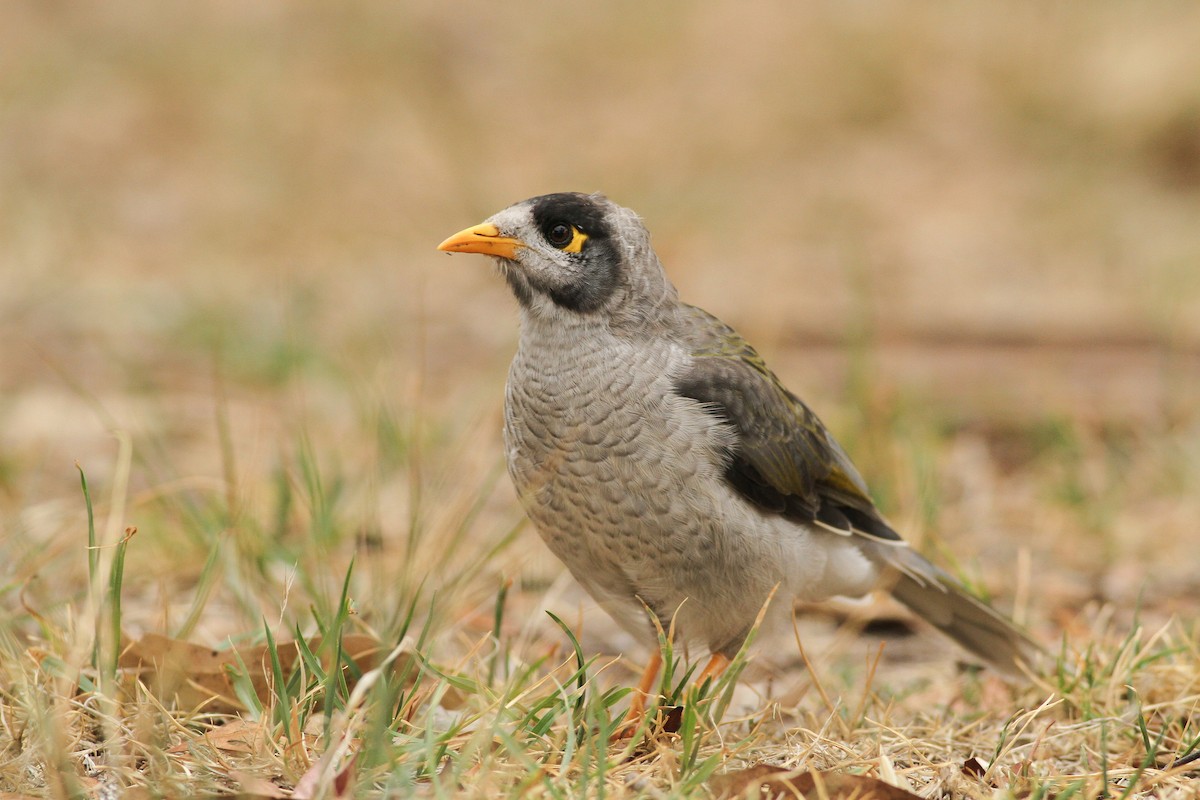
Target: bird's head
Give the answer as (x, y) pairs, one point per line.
(571, 254)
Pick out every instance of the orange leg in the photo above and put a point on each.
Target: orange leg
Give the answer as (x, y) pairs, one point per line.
(715, 667)
(637, 703)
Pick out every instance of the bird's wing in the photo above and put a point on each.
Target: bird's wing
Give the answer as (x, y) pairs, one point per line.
(782, 460)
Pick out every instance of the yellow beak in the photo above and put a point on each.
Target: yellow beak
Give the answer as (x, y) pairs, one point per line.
(484, 239)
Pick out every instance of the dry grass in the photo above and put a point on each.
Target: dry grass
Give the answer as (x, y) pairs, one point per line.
(967, 235)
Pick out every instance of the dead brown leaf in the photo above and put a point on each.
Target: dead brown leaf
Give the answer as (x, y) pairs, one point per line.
(256, 787)
(770, 781)
(192, 676)
(975, 767)
(670, 718)
(236, 736)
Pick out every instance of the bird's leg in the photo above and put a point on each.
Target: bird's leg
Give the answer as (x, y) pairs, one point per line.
(714, 669)
(637, 703)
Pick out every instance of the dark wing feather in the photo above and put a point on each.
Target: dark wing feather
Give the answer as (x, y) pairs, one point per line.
(784, 461)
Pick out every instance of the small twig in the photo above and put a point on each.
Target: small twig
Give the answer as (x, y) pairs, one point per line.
(1185, 760)
(816, 679)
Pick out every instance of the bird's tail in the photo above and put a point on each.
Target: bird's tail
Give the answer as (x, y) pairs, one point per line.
(940, 599)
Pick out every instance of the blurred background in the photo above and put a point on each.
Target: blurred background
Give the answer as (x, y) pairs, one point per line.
(968, 235)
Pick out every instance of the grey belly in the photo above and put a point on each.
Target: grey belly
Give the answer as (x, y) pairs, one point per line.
(635, 508)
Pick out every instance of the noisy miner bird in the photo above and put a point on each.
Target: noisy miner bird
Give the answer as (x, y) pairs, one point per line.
(666, 465)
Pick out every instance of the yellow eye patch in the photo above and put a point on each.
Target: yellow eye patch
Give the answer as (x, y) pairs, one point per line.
(578, 237)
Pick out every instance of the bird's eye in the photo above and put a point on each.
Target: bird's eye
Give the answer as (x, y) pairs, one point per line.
(565, 237)
(560, 234)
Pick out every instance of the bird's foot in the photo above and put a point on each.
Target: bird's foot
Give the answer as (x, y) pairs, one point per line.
(637, 702)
